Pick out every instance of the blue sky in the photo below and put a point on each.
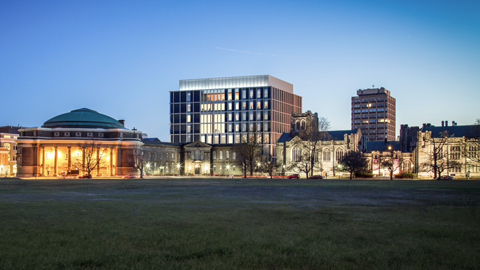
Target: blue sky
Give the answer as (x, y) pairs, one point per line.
(122, 58)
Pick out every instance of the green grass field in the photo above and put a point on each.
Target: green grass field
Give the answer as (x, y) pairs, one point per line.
(239, 224)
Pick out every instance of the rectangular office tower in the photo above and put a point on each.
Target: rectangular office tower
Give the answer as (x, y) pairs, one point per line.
(373, 112)
(221, 110)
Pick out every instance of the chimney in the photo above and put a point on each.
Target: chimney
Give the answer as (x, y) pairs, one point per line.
(122, 122)
(446, 123)
(443, 123)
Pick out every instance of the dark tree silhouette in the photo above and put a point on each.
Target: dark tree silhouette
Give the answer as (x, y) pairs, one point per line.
(354, 162)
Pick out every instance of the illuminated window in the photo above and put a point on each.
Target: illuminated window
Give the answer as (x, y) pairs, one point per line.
(326, 155)
(296, 154)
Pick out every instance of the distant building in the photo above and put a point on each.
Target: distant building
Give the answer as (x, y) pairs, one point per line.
(8, 150)
(378, 151)
(223, 110)
(55, 148)
(455, 149)
(373, 111)
(330, 149)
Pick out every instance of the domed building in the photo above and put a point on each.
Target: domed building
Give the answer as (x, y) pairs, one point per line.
(78, 142)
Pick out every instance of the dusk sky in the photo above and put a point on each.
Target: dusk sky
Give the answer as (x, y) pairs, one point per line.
(121, 58)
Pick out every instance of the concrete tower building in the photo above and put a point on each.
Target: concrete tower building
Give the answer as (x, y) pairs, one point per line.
(373, 111)
(222, 110)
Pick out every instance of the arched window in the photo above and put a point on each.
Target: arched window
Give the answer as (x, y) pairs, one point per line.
(220, 155)
(297, 125)
(234, 155)
(296, 154)
(326, 155)
(214, 155)
(227, 155)
(339, 154)
(303, 125)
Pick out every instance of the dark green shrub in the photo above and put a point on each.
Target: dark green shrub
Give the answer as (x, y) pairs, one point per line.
(406, 175)
(364, 174)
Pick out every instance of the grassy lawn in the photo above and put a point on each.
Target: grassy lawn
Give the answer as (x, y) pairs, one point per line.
(239, 224)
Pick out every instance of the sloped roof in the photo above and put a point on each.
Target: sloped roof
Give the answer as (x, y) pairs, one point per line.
(151, 140)
(339, 134)
(336, 135)
(382, 146)
(83, 118)
(457, 131)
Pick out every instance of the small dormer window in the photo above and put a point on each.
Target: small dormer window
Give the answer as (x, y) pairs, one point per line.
(78, 134)
(67, 134)
(100, 135)
(89, 134)
(56, 134)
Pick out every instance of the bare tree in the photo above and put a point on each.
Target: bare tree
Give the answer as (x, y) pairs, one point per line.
(301, 161)
(268, 166)
(91, 158)
(392, 163)
(140, 159)
(354, 162)
(249, 150)
(311, 139)
(437, 160)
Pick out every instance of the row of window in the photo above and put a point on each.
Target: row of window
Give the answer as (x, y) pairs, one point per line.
(370, 111)
(325, 155)
(367, 116)
(78, 134)
(372, 105)
(366, 100)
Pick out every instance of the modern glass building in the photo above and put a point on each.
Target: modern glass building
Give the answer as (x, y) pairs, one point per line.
(222, 110)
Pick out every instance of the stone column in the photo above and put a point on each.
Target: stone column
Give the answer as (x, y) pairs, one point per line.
(111, 161)
(119, 160)
(69, 153)
(55, 163)
(43, 160)
(98, 161)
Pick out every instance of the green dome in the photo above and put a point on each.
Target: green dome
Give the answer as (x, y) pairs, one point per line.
(83, 118)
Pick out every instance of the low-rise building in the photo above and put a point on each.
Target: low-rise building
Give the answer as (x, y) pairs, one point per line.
(8, 151)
